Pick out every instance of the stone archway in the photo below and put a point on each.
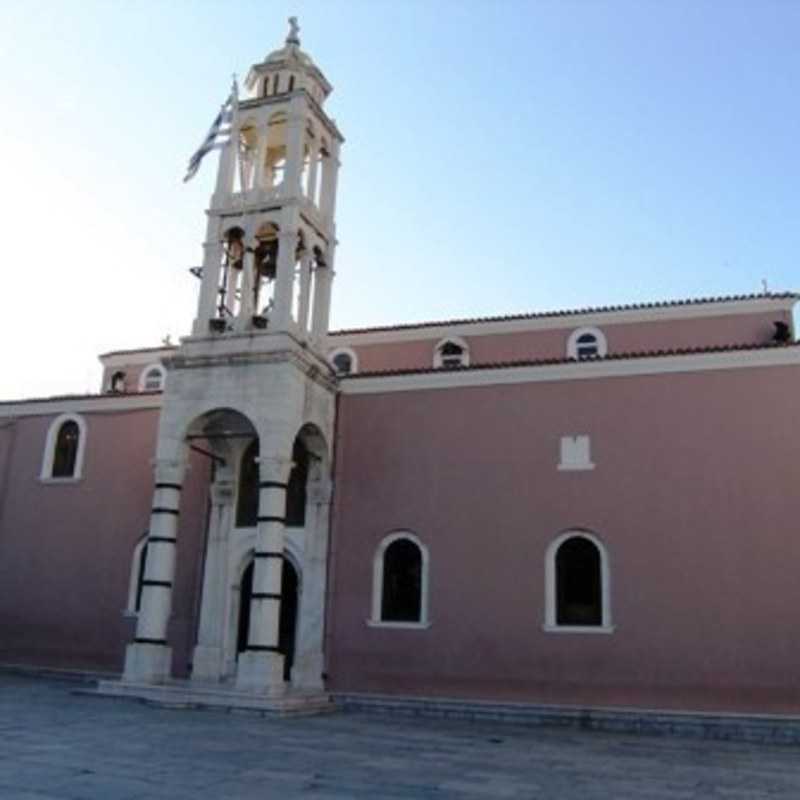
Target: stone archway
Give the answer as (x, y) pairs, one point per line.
(290, 599)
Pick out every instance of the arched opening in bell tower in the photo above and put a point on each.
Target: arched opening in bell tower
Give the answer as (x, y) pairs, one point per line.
(275, 159)
(287, 621)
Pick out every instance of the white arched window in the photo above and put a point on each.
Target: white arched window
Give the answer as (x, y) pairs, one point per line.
(577, 588)
(451, 353)
(400, 583)
(343, 360)
(586, 343)
(64, 448)
(152, 378)
(136, 580)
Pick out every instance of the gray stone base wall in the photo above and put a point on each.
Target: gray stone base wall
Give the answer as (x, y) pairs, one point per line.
(766, 728)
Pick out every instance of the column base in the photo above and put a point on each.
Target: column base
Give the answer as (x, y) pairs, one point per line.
(307, 672)
(207, 663)
(260, 672)
(147, 663)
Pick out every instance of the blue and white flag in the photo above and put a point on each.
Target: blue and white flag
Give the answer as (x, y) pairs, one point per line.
(218, 135)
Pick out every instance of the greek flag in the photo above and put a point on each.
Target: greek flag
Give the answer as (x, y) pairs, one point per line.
(218, 135)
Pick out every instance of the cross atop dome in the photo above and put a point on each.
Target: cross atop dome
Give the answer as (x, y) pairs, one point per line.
(293, 37)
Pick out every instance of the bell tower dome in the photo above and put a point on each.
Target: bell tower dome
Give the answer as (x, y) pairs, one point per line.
(269, 249)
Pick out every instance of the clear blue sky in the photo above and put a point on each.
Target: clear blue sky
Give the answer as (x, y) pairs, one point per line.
(501, 157)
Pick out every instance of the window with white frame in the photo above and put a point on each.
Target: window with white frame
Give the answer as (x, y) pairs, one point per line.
(400, 582)
(152, 379)
(577, 585)
(451, 353)
(344, 361)
(585, 343)
(64, 448)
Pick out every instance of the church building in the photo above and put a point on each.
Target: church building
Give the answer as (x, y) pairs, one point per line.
(592, 507)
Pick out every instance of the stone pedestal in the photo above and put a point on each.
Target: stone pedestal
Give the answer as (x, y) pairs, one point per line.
(147, 663)
(260, 672)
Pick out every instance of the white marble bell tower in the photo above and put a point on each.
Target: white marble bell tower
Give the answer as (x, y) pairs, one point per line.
(252, 370)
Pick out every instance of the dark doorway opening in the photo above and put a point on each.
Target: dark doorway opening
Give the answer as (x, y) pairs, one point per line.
(287, 624)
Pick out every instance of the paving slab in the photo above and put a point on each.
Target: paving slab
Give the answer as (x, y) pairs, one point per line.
(57, 745)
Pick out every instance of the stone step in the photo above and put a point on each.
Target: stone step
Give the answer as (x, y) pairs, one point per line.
(186, 694)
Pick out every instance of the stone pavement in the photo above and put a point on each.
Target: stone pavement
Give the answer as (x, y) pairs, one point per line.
(55, 744)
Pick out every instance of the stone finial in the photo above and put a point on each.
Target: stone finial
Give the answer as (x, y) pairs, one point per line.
(294, 32)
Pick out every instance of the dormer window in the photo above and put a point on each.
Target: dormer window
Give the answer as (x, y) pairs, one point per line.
(586, 343)
(117, 382)
(344, 361)
(152, 379)
(451, 353)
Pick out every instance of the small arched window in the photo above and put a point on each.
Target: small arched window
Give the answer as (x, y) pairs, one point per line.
(344, 361)
(451, 353)
(577, 585)
(152, 379)
(291, 83)
(117, 382)
(400, 582)
(64, 448)
(586, 343)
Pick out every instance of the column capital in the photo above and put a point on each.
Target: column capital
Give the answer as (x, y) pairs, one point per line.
(169, 470)
(320, 492)
(222, 492)
(274, 468)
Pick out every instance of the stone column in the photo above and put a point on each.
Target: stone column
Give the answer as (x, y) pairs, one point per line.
(323, 279)
(208, 662)
(309, 663)
(225, 170)
(259, 179)
(312, 171)
(305, 289)
(249, 278)
(148, 658)
(284, 280)
(330, 178)
(295, 136)
(209, 288)
(260, 667)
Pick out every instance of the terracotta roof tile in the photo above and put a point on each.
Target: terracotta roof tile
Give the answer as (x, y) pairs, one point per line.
(60, 398)
(574, 312)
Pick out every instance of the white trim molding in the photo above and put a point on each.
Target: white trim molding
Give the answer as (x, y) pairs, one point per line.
(439, 357)
(346, 351)
(571, 371)
(51, 440)
(550, 590)
(573, 342)
(150, 368)
(375, 620)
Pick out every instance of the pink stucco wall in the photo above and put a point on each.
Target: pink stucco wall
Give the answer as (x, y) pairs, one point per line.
(694, 494)
(65, 549)
(755, 328)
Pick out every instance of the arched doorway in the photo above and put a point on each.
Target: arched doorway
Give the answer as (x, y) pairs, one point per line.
(287, 624)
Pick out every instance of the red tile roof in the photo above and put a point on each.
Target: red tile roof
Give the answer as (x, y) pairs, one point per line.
(548, 362)
(574, 312)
